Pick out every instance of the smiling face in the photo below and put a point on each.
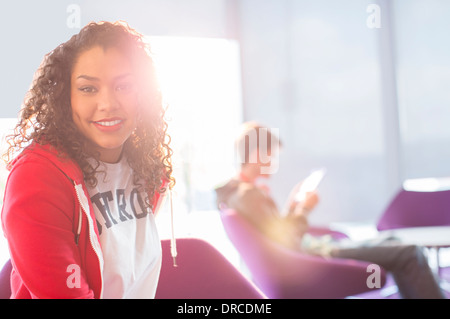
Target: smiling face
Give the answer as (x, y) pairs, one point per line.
(104, 100)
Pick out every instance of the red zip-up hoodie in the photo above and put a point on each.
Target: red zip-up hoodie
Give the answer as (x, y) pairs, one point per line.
(49, 223)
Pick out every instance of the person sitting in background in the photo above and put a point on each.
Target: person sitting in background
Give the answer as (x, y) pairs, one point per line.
(244, 194)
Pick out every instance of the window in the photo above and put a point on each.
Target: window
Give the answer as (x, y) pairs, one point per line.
(423, 76)
(201, 83)
(314, 73)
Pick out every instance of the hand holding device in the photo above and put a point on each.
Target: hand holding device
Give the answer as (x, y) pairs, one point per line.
(310, 184)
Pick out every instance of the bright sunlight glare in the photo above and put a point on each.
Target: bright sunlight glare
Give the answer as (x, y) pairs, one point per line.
(200, 81)
(201, 84)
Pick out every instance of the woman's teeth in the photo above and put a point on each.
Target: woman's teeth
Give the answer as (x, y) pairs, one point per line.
(109, 123)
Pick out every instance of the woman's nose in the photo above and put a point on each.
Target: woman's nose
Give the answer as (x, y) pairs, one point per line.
(107, 100)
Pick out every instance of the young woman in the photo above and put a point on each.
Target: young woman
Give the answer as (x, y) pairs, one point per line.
(89, 164)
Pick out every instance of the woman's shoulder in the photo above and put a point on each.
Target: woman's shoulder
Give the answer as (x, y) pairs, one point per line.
(38, 159)
(36, 187)
(31, 172)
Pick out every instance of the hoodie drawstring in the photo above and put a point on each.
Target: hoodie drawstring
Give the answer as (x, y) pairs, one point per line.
(173, 243)
(80, 218)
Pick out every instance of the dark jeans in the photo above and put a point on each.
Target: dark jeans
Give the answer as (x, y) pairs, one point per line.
(407, 263)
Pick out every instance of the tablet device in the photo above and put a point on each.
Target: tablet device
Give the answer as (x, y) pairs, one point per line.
(310, 183)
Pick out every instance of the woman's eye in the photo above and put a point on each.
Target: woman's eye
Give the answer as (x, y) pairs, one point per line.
(125, 87)
(88, 89)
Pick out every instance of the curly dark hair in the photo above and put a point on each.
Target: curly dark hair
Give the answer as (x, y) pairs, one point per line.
(46, 116)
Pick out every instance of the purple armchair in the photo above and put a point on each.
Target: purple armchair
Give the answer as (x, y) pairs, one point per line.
(282, 273)
(415, 209)
(202, 273)
(5, 277)
(419, 209)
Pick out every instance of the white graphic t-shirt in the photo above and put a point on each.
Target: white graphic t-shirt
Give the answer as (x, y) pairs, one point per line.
(128, 236)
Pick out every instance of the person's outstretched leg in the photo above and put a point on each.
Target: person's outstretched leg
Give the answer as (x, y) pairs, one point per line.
(407, 263)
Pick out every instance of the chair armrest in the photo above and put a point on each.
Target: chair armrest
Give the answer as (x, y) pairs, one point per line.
(322, 230)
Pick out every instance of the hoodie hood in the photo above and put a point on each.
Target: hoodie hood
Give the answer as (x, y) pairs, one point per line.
(60, 160)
